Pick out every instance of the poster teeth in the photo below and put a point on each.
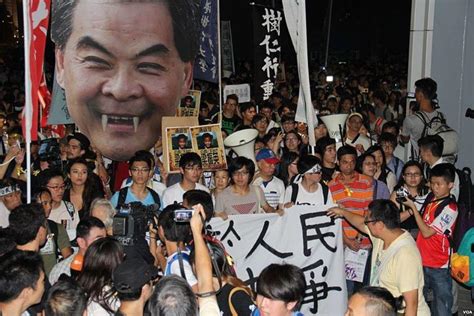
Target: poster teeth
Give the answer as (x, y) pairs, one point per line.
(104, 122)
(136, 120)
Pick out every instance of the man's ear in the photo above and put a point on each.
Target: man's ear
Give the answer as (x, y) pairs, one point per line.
(291, 305)
(25, 293)
(59, 66)
(81, 243)
(188, 78)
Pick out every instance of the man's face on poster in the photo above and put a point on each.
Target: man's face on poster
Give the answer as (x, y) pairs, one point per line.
(207, 142)
(182, 143)
(121, 72)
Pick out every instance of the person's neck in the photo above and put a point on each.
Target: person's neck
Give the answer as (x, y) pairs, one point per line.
(31, 246)
(329, 164)
(266, 177)
(55, 204)
(347, 177)
(240, 189)
(442, 196)
(309, 186)
(412, 189)
(432, 160)
(132, 308)
(12, 309)
(261, 134)
(228, 114)
(388, 158)
(172, 247)
(138, 188)
(352, 134)
(425, 106)
(77, 189)
(390, 237)
(246, 122)
(187, 185)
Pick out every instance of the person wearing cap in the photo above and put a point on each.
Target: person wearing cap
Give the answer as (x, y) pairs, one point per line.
(308, 189)
(10, 197)
(133, 281)
(273, 188)
(353, 137)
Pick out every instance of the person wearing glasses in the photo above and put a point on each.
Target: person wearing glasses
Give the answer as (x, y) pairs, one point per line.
(190, 167)
(140, 169)
(396, 261)
(62, 212)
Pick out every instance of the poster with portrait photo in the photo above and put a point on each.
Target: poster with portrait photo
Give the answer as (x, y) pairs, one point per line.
(189, 105)
(208, 142)
(179, 143)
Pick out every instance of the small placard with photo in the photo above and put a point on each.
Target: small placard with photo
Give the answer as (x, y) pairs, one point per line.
(189, 105)
(208, 142)
(179, 142)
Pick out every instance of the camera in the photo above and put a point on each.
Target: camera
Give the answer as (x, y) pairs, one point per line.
(402, 195)
(132, 221)
(470, 113)
(183, 215)
(49, 151)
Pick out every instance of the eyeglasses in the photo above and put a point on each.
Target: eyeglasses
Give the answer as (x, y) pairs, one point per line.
(367, 221)
(137, 170)
(241, 173)
(57, 187)
(412, 175)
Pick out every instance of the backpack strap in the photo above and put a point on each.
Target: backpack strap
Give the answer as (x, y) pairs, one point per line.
(122, 196)
(294, 192)
(53, 227)
(155, 197)
(425, 123)
(325, 192)
(233, 311)
(69, 208)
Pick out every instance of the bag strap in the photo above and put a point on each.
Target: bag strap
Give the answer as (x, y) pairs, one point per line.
(233, 311)
(294, 192)
(155, 197)
(53, 227)
(122, 196)
(69, 208)
(325, 192)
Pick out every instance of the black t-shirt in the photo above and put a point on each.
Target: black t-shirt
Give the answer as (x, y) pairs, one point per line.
(241, 301)
(229, 124)
(327, 173)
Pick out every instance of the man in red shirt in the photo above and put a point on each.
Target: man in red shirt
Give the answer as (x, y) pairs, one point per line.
(436, 223)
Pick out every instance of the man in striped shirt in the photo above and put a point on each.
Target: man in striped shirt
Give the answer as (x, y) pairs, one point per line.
(352, 191)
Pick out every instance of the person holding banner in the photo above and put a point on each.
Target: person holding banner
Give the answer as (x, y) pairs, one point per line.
(124, 65)
(396, 261)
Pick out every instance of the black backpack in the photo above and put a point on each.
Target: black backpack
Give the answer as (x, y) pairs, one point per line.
(465, 219)
(123, 196)
(295, 188)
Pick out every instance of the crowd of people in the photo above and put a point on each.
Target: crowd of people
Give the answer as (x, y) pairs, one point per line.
(60, 254)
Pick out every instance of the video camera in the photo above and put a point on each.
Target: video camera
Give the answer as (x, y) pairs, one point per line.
(49, 151)
(132, 221)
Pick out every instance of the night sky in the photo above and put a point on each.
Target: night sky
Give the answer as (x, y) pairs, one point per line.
(362, 28)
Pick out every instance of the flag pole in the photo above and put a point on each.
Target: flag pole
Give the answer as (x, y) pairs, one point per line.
(28, 98)
(219, 55)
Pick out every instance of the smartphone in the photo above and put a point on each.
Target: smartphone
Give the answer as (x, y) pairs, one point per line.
(183, 215)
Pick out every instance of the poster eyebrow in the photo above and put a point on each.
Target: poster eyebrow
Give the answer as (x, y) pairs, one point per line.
(158, 49)
(88, 42)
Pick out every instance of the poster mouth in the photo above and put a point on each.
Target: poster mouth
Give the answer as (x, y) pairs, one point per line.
(120, 123)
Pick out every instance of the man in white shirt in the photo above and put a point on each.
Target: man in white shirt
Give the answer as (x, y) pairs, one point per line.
(10, 197)
(273, 188)
(190, 167)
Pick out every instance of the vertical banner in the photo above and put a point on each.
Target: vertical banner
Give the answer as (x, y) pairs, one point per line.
(205, 65)
(311, 241)
(228, 66)
(295, 17)
(267, 50)
(35, 35)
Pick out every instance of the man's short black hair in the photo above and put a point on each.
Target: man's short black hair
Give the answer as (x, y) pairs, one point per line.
(388, 138)
(207, 135)
(385, 211)
(141, 155)
(84, 227)
(190, 159)
(7, 244)
(306, 162)
(239, 163)
(182, 136)
(323, 143)
(194, 197)
(346, 150)
(25, 222)
(232, 97)
(246, 106)
(173, 231)
(185, 16)
(265, 105)
(445, 170)
(47, 174)
(379, 301)
(19, 270)
(428, 87)
(433, 143)
(284, 282)
(65, 298)
(173, 296)
(390, 125)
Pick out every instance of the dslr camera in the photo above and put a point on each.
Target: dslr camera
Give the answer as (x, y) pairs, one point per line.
(49, 151)
(402, 195)
(132, 221)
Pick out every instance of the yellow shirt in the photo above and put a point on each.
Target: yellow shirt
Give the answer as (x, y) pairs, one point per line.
(403, 272)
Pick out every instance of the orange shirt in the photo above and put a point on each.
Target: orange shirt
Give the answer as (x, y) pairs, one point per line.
(354, 197)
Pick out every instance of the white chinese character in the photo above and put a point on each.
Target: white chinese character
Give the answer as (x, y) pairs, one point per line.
(270, 65)
(202, 65)
(204, 20)
(207, 7)
(266, 42)
(272, 22)
(202, 51)
(267, 87)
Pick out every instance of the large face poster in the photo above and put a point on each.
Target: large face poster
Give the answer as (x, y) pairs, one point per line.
(124, 65)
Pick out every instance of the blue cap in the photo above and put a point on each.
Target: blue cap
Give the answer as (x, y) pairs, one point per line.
(267, 155)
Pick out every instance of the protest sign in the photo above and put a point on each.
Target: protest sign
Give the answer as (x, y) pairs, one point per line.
(210, 146)
(189, 105)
